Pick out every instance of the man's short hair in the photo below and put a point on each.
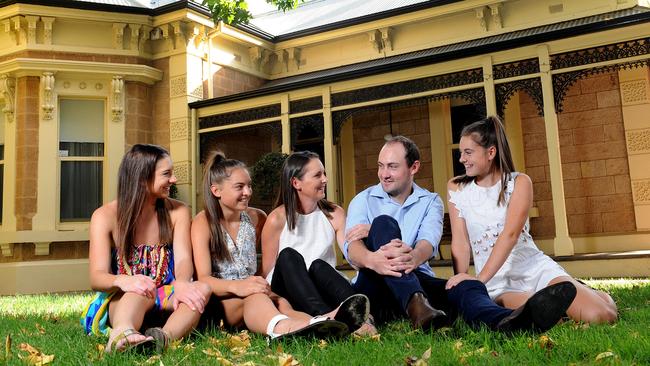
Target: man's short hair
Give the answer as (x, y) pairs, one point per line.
(412, 151)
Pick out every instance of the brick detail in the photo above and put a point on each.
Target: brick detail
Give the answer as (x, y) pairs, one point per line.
(228, 81)
(369, 130)
(27, 123)
(596, 176)
(138, 112)
(638, 141)
(634, 92)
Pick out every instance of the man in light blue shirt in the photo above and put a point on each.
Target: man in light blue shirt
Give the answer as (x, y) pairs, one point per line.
(392, 230)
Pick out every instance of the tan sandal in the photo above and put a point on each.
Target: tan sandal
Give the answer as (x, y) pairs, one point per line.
(143, 346)
(160, 338)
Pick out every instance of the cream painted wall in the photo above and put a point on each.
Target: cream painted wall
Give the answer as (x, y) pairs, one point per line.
(2, 124)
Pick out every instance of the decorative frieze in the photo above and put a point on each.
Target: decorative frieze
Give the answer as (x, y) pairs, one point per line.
(117, 95)
(182, 171)
(118, 35)
(407, 87)
(179, 129)
(305, 105)
(252, 114)
(517, 68)
(641, 191)
(8, 92)
(638, 141)
(49, 97)
(634, 92)
(532, 87)
(615, 51)
(178, 86)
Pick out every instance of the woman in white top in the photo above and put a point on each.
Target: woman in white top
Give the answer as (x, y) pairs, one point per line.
(489, 221)
(298, 256)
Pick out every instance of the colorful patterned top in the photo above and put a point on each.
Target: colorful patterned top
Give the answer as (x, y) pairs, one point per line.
(155, 261)
(244, 255)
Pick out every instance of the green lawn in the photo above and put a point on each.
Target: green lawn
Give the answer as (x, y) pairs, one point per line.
(50, 323)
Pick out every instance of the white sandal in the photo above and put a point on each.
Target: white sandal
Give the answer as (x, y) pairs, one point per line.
(272, 323)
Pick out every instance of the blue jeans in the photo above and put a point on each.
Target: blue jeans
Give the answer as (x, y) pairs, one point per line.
(389, 296)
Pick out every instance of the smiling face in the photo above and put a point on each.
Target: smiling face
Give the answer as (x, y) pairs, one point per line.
(395, 175)
(235, 191)
(476, 159)
(313, 183)
(163, 178)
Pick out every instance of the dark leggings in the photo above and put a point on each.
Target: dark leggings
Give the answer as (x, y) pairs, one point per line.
(317, 291)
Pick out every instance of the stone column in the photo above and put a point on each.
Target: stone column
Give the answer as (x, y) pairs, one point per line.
(635, 101)
(562, 243)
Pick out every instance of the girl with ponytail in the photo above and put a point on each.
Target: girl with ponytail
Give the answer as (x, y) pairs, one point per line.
(489, 221)
(224, 239)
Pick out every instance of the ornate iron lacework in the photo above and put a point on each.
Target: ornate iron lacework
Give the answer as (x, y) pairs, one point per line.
(305, 105)
(505, 91)
(209, 140)
(240, 116)
(316, 122)
(562, 82)
(518, 68)
(407, 87)
(475, 96)
(608, 52)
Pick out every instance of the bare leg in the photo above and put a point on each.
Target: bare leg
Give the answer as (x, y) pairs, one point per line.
(259, 309)
(589, 306)
(513, 300)
(285, 308)
(126, 311)
(184, 319)
(233, 309)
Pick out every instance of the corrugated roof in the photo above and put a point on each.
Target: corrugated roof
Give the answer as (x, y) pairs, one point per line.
(317, 13)
(444, 53)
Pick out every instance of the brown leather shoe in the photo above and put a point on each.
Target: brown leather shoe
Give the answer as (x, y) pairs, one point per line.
(423, 315)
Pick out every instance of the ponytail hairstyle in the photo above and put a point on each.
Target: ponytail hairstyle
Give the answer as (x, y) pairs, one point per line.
(217, 169)
(136, 175)
(486, 133)
(294, 167)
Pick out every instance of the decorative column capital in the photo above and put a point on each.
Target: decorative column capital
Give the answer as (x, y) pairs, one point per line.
(49, 97)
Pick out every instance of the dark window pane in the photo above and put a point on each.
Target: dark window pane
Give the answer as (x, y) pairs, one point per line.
(461, 116)
(81, 148)
(81, 189)
(2, 152)
(459, 169)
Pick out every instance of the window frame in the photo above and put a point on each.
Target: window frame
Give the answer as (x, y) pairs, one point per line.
(79, 224)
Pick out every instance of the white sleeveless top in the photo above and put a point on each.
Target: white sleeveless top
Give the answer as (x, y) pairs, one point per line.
(313, 237)
(526, 268)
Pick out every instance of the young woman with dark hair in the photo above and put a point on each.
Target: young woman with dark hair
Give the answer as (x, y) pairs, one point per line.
(489, 219)
(298, 239)
(224, 238)
(140, 257)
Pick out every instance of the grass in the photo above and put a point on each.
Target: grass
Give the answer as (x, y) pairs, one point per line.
(50, 323)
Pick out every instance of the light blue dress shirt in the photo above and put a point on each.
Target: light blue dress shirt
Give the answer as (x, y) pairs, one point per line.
(419, 218)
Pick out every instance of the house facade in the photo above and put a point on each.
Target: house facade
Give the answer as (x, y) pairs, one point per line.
(81, 81)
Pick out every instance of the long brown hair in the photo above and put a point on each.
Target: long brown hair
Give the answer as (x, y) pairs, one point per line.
(136, 175)
(217, 169)
(486, 133)
(294, 167)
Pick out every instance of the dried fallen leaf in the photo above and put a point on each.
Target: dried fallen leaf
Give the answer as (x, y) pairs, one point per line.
(605, 355)
(151, 360)
(458, 345)
(238, 350)
(546, 342)
(35, 357)
(427, 354)
(224, 362)
(175, 344)
(322, 344)
(408, 346)
(243, 339)
(213, 352)
(8, 347)
(40, 328)
(285, 359)
(188, 347)
(97, 354)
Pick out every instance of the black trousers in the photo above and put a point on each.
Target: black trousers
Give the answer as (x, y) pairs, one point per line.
(316, 291)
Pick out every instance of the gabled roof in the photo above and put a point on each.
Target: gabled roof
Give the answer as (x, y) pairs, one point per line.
(545, 33)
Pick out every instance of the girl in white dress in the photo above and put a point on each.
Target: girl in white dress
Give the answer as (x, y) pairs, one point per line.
(224, 238)
(489, 221)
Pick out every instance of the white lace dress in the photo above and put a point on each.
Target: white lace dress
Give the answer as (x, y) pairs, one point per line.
(526, 268)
